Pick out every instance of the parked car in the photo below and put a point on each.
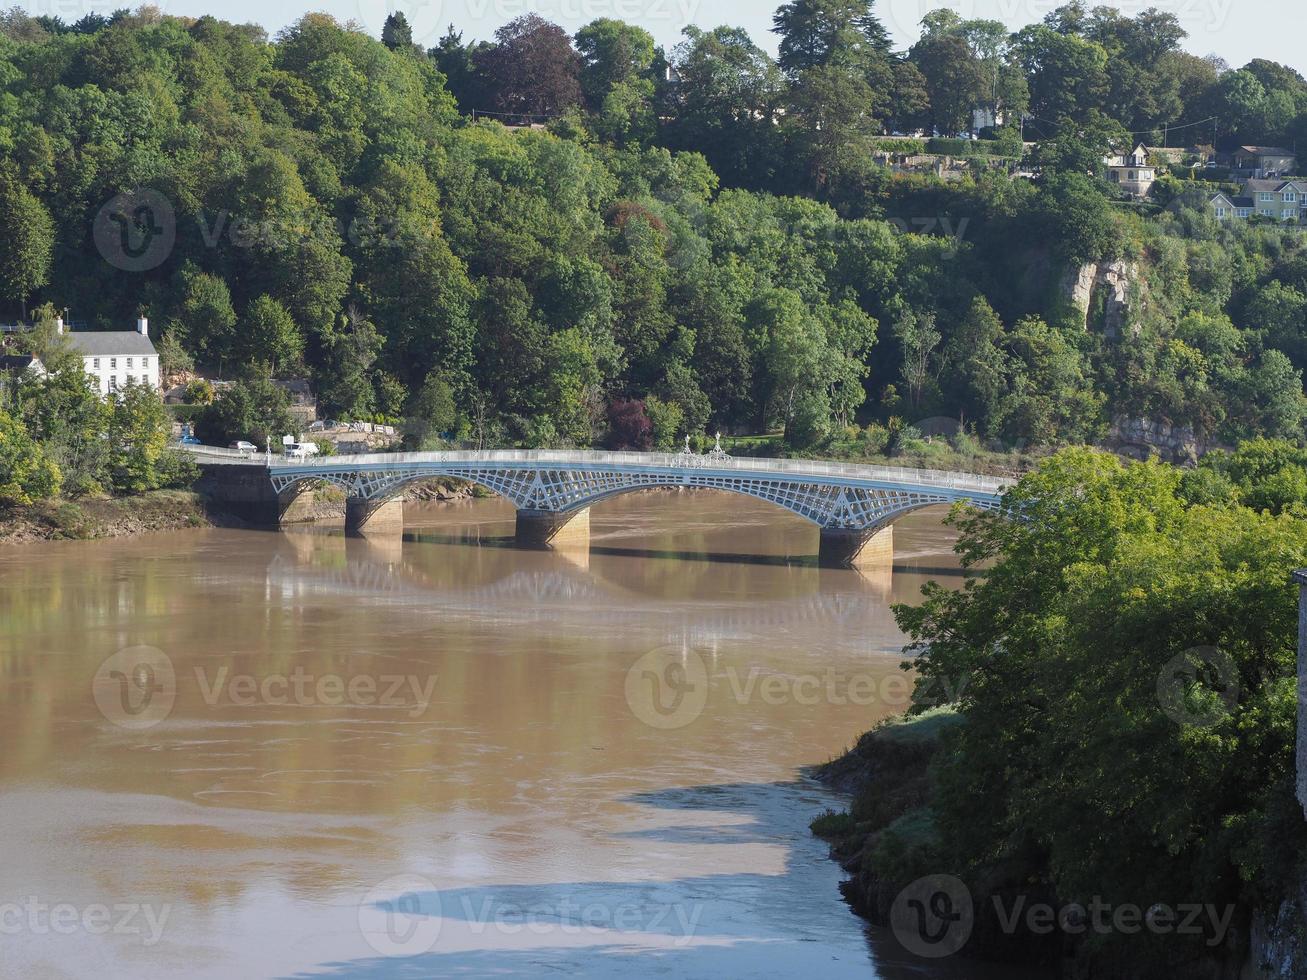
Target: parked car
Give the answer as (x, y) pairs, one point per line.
(240, 445)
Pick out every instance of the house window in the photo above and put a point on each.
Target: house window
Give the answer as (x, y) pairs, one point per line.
(145, 362)
(1132, 175)
(1242, 212)
(1220, 212)
(1265, 196)
(1267, 212)
(1290, 197)
(1288, 214)
(95, 363)
(113, 364)
(129, 363)
(113, 382)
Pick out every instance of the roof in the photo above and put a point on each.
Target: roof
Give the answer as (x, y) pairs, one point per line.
(17, 362)
(1269, 151)
(1273, 184)
(109, 343)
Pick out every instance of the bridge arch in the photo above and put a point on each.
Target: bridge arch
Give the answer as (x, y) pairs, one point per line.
(554, 490)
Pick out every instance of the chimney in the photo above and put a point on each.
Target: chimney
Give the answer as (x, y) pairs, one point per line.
(59, 325)
(143, 326)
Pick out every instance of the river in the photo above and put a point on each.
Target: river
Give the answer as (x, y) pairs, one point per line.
(241, 753)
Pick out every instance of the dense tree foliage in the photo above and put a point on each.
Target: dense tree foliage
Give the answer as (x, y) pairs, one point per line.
(1127, 669)
(703, 231)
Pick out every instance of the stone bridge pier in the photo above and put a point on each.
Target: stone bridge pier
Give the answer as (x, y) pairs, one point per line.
(566, 531)
(364, 516)
(853, 548)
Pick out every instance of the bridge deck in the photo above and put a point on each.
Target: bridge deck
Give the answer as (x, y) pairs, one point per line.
(629, 462)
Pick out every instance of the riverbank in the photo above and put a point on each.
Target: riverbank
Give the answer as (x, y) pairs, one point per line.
(94, 518)
(103, 517)
(887, 840)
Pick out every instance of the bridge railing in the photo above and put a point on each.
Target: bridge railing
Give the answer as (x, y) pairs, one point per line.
(656, 461)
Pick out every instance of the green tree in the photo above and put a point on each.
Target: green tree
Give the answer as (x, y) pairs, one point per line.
(1118, 639)
(269, 336)
(28, 247)
(254, 410)
(396, 33)
(139, 428)
(26, 474)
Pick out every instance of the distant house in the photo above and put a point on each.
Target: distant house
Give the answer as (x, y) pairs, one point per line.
(1131, 171)
(1280, 200)
(117, 358)
(1265, 161)
(16, 364)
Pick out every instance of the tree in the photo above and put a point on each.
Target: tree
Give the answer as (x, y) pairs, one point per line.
(629, 426)
(26, 474)
(667, 422)
(977, 368)
(255, 410)
(917, 338)
(1067, 74)
(28, 246)
(726, 104)
(139, 429)
(269, 336)
(1118, 638)
(432, 411)
(613, 53)
(205, 318)
(397, 34)
(953, 79)
(818, 33)
(533, 69)
(65, 413)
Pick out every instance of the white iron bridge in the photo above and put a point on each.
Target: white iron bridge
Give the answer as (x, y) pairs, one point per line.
(552, 488)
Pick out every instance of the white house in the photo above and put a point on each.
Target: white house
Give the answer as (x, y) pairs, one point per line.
(115, 358)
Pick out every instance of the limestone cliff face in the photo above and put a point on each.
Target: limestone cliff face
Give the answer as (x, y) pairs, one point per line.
(1102, 292)
(1141, 438)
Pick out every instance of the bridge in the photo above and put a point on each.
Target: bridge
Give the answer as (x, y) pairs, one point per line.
(853, 506)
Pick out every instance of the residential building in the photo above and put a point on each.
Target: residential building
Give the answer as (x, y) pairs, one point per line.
(1131, 171)
(115, 358)
(1279, 200)
(13, 364)
(1265, 161)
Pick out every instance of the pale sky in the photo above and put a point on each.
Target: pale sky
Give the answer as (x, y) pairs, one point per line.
(1238, 32)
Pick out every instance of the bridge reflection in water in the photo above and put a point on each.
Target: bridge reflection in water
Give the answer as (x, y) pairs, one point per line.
(604, 590)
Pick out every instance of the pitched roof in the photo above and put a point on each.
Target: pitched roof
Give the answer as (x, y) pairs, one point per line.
(17, 362)
(110, 343)
(1269, 151)
(1273, 184)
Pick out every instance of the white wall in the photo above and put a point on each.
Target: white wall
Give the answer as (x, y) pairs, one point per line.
(107, 369)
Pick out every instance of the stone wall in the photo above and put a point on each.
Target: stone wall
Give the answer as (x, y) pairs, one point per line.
(1142, 438)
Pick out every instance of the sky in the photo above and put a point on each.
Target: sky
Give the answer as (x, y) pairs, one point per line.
(1237, 30)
